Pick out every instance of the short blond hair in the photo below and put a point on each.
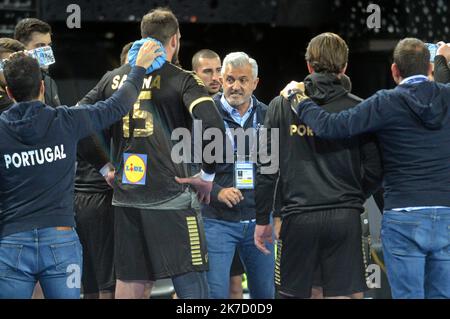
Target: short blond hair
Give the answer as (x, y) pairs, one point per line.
(327, 53)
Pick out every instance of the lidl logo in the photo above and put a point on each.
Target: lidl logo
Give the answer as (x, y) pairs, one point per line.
(135, 169)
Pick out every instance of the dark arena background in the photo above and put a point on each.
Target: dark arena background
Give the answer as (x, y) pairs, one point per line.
(274, 32)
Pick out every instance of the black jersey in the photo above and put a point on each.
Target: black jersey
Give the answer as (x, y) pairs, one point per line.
(92, 154)
(142, 142)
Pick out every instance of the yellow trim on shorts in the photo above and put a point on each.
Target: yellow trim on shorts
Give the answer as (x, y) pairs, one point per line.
(194, 240)
(277, 263)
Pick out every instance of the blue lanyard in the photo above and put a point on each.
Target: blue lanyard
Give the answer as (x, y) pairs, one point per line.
(231, 137)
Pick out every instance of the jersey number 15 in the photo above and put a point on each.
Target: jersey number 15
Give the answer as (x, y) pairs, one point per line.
(140, 115)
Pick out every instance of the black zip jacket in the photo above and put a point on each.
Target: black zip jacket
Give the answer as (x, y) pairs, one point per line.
(317, 174)
(245, 210)
(51, 90)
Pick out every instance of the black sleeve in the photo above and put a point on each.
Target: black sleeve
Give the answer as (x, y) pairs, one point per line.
(91, 148)
(277, 202)
(441, 69)
(266, 183)
(372, 164)
(379, 199)
(51, 91)
(202, 107)
(215, 192)
(92, 151)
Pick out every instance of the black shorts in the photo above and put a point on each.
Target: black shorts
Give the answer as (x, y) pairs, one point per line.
(326, 240)
(157, 244)
(94, 218)
(237, 268)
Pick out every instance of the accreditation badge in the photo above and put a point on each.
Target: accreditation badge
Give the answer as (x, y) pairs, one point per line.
(244, 175)
(135, 169)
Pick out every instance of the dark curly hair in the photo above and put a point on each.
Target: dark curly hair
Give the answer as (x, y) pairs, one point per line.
(23, 77)
(25, 28)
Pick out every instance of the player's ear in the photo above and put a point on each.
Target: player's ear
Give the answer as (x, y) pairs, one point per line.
(173, 41)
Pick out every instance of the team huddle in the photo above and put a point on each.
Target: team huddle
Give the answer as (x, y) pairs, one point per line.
(97, 193)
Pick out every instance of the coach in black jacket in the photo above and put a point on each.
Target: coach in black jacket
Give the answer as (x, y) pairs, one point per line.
(324, 184)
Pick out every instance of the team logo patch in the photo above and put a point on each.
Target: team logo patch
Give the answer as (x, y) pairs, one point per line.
(135, 169)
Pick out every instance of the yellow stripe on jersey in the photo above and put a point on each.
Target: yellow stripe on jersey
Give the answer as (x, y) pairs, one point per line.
(198, 101)
(199, 81)
(145, 95)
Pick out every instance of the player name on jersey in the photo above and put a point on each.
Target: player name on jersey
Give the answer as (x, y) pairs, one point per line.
(35, 157)
(149, 83)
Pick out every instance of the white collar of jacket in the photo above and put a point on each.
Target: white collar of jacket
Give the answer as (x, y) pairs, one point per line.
(414, 79)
